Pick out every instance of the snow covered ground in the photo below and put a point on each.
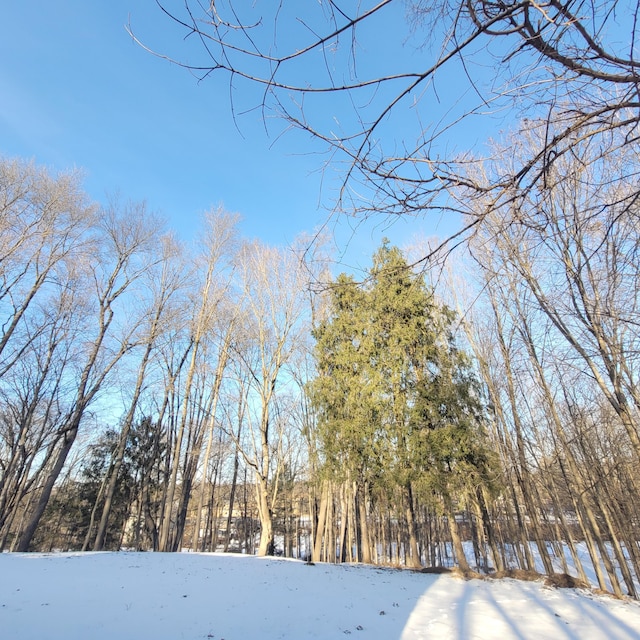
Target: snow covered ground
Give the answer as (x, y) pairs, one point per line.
(139, 596)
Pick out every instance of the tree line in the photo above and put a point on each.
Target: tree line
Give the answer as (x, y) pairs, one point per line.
(132, 365)
(163, 396)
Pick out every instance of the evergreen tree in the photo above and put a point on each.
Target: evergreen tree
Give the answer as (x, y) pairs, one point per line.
(71, 512)
(343, 390)
(397, 403)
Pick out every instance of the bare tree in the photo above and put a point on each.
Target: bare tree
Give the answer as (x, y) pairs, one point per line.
(44, 222)
(228, 327)
(163, 282)
(570, 65)
(123, 242)
(577, 256)
(211, 282)
(562, 290)
(275, 283)
(32, 396)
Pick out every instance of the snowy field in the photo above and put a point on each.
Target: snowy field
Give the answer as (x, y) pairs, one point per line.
(139, 596)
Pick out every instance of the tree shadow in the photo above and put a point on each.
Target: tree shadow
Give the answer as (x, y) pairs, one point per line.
(453, 608)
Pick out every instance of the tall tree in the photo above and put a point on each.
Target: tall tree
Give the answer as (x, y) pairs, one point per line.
(44, 225)
(396, 400)
(275, 284)
(212, 279)
(124, 243)
(163, 282)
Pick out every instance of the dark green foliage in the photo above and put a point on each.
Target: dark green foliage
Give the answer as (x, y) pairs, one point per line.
(343, 389)
(68, 516)
(146, 451)
(449, 453)
(397, 402)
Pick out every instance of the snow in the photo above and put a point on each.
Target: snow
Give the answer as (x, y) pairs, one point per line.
(121, 596)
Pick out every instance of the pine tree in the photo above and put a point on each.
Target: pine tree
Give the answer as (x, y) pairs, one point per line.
(397, 403)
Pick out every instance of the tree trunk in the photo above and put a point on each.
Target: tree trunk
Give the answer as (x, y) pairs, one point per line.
(266, 546)
(223, 358)
(414, 560)
(457, 544)
(165, 529)
(45, 494)
(321, 524)
(232, 495)
(365, 538)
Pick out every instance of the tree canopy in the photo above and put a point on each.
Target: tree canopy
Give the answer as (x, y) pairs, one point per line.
(398, 404)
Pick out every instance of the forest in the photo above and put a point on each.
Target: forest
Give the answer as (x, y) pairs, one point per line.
(475, 406)
(230, 395)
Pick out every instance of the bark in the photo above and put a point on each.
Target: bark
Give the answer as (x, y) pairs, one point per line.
(165, 529)
(321, 524)
(35, 516)
(414, 560)
(523, 475)
(266, 546)
(344, 524)
(223, 358)
(363, 532)
(232, 495)
(457, 544)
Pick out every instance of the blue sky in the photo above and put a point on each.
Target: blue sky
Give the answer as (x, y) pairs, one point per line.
(76, 91)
